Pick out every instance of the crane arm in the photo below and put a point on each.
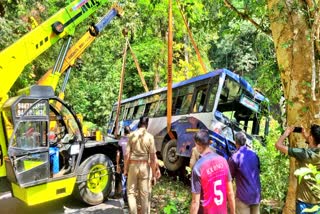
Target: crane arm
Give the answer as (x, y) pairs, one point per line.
(51, 77)
(14, 58)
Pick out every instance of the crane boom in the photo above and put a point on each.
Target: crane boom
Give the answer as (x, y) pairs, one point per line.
(14, 58)
(51, 77)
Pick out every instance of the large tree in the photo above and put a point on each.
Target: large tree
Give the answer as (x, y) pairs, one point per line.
(294, 27)
(295, 32)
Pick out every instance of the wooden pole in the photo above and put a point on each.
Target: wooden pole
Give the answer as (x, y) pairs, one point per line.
(120, 89)
(145, 86)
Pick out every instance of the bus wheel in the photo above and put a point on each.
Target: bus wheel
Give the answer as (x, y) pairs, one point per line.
(94, 179)
(170, 158)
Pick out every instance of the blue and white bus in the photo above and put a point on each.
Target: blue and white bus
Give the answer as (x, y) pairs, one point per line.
(220, 101)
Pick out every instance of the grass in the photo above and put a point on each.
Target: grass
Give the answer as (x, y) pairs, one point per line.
(170, 195)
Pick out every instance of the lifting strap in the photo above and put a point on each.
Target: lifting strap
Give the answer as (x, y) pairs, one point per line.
(170, 56)
(191, 38)
(169, 80)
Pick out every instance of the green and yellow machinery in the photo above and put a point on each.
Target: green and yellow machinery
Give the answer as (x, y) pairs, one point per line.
(41, 163)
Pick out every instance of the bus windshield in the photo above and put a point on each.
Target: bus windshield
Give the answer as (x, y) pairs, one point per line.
(220, 101)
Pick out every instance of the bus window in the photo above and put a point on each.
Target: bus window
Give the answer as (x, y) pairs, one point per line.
(113, 115)
(186, 103)
(130, 113)
(230, 91)
(151, 109)
(125, 113)
(121, 113)
(135, 110)
(199, 102)
(138, 111)
(177, 107)
(184, 100)
(147, 109)
(162, 110)
(211, 97)
(234, 89)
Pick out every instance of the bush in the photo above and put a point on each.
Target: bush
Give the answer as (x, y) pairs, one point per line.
(274, 172)
(170, 196)
(310, 173)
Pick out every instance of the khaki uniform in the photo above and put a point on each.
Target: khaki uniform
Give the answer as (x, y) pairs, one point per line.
(195, 155)
(139, 148)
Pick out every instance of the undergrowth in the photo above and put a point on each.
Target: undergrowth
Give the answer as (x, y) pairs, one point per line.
(170, 196)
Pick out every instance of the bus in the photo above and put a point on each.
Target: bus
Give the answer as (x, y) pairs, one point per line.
(220, 101)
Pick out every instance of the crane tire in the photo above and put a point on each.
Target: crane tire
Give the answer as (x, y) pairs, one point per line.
(94, 179)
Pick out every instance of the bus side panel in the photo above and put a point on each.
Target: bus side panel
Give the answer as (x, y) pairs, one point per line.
(185, 129)
(158, 128)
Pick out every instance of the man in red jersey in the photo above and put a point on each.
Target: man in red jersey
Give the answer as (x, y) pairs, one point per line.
(211, 182)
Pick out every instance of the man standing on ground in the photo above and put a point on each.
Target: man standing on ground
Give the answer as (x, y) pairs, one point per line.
(245, 168)
(123, 143)
(140, 152)
(307, 195)
(211, 182)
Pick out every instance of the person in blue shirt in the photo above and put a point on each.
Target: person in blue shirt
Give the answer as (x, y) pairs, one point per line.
(245, 168)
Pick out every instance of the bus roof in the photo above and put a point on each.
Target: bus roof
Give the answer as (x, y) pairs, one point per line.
(244, 84)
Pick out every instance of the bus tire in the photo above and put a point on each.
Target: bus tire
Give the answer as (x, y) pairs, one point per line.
(170, 158)
(94, 179)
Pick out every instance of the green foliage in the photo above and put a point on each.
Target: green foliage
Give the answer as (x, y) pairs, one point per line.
(170, 196)
(310, 173)
(170, 208)
(223, 40)
(174, 197)
(274, 167)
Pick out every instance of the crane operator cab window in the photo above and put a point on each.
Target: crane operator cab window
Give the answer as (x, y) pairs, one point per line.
(64, 133)
(43, 137)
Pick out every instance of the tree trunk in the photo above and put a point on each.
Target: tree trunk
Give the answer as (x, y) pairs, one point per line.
(292, 36)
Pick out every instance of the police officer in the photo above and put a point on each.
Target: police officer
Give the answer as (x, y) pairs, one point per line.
(140, 156)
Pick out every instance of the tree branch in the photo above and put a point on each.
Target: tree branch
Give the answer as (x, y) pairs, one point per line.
(246, 17)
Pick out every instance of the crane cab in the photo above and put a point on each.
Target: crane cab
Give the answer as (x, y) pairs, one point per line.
(44, 141)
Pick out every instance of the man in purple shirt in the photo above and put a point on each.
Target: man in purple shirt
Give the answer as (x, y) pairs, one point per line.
(245, 168)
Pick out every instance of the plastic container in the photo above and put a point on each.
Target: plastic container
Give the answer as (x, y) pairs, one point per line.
(98, 135)
(54, 159)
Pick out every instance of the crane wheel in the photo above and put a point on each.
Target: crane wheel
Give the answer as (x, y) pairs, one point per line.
(94, 179)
